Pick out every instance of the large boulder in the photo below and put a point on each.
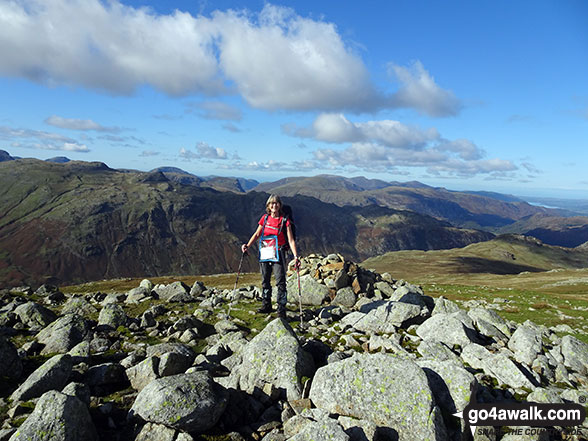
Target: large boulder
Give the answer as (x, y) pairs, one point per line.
(274, 357)
(52, 375)
(389, 391)
(312, 292)
(449, 329)
(176, 292)
(526, 344)
(112, 316)
(10, 363)
(57, 417)
(190, 402)
(35, 316)
(575, 353)
(386, 317)
(63, 334)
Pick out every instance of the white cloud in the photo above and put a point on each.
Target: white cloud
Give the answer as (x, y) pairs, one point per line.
(204, 151)
(274, 59)
(148, 153)
(79, 124)
(418, 90)
(207, 151)
(386, 145)
(40, 140)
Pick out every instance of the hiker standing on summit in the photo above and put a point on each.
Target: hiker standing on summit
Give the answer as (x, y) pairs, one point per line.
(274, 231)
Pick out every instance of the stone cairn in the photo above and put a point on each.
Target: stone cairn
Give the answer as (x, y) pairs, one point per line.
(376, 359)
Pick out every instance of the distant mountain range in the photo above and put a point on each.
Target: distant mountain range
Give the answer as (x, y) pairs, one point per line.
(79, 221)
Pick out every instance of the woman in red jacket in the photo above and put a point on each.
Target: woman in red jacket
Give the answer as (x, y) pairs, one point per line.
(275, 230)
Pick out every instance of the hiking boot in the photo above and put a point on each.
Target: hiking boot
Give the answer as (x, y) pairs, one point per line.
(265, 309)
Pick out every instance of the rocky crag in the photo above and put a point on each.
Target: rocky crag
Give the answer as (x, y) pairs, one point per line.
(373, 358)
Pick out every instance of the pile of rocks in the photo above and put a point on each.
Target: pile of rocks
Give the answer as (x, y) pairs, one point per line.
(377, 359)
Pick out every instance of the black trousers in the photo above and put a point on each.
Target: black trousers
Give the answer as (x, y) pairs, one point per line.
(279, 269)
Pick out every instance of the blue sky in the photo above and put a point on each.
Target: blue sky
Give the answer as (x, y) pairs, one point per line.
(474, 95)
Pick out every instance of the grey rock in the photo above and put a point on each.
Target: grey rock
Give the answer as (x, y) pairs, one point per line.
(448, 329)
(324, 430)
(312, 292)
(436, 350)
(52, 375)
(450, 382)
(490, 316)
(385, 288)
(526, 344)
(106, 374)
(63, 334)
(176, 292)
(57, 417)
(143, 373)
(79, 390)
(159, 432)
(444, 306)
(345, 297)
(35, 316)
(275, 357)
(499, 366)
(138, 295)
(79, 306)
(172, 363)
(112, 315)
(188, 402)
(389, 391)
(197, 289)
(575, 354)
(178, 348)
(386, 317)
(10, 363)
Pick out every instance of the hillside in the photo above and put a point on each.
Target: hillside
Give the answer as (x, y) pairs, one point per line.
(488, 211)
(504, 255)
(82, 221)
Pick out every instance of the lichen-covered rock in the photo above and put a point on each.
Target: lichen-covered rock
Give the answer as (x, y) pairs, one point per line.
(159, 432)
(35, 316)
(451, 383)
(448, 329)
(312, 292)
(176, 292)
(112, 315)
(143, 373)
(178, 348)
(189, 402)
(526, 344)
(345, 297)
(275, 357)
(10, 363)
(389, 391)
(575, 354)
(387, 316)
(491, 317)
(323, 430)
(52, 375)
(57, 417)
(79, 306)
(63, 334)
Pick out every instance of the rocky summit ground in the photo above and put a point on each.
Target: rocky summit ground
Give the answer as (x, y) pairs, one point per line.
(361, 356)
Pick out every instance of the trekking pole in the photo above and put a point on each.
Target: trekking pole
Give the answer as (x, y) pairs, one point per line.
(237, 279)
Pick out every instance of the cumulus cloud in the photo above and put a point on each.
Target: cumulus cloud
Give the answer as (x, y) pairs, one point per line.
(207, 151)
(274, 59)
(40, 140)
(79, 124)
(418, 90)
(385, 145)
(203, 151)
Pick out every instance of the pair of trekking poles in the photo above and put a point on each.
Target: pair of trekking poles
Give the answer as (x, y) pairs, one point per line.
(297, 266)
